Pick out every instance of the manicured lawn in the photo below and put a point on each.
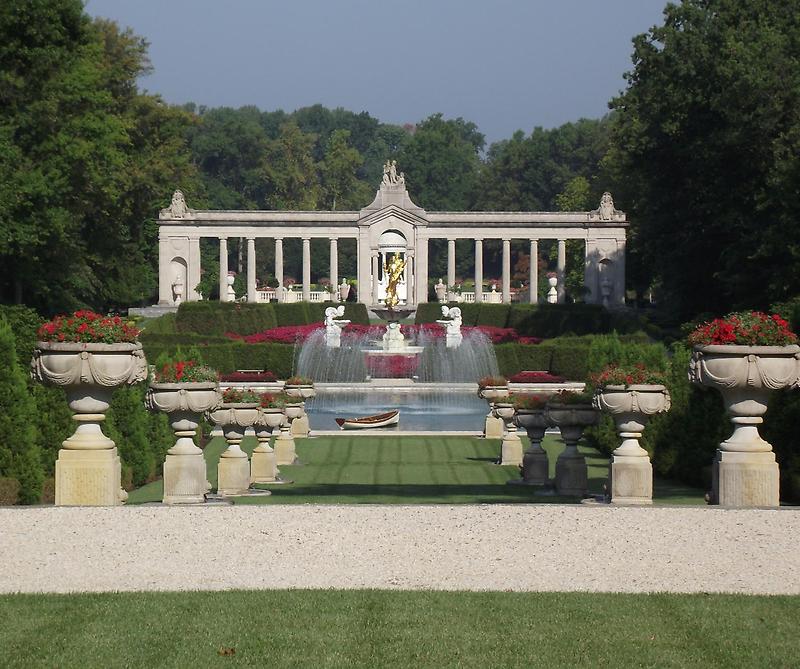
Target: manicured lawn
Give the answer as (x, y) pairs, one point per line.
(408, 470)
(366, 628)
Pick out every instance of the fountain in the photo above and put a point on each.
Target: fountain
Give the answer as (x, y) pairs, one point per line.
(426, 372)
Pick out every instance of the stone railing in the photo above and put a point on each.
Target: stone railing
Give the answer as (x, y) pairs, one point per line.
(291, 295)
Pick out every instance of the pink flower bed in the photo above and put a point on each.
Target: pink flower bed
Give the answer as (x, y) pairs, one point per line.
(392, 366)
(536, 377)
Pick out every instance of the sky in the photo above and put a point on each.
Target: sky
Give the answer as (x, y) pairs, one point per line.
(505, 65)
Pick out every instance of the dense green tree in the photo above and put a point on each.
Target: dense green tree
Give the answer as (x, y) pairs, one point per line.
(441, 161)
(19, 454)
(707, 138)
(577, 196)
(341, 186)
(289, 170)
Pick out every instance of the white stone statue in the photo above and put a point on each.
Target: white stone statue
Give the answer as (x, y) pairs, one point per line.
(177, 289)
(441, 291)
(230, 292)
(177, 208)
(344, 290)
(606, 210)
(452, 324)
(390, 175)
(334, 325)
(393, 338)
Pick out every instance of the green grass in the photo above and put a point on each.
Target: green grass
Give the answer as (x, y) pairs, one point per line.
(408, 470)
(367, 628)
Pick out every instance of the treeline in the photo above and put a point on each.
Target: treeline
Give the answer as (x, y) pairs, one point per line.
(701, 151)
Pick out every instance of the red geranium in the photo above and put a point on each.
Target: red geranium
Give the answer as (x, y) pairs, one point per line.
(88, 327)
(748, 328)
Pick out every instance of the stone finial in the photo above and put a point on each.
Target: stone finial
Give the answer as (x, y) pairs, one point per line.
(606, 210)
(177, 208)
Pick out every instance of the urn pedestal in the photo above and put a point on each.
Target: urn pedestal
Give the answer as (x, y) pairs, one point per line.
(572, 476)
(263, 464)
(233, 471)
(744, 472)
(300, 426)
(285, 448)
(185, 474)
(535, 465)
(493, 426)
(88, 469)
(631, 407)
(511, 446)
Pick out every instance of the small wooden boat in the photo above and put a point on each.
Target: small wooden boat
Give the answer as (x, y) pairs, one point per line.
(379, 420)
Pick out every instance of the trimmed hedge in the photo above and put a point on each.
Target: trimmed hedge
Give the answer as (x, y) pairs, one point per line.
(541, 320)
(232, 355)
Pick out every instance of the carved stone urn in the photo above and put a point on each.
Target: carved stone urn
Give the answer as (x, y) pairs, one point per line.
(185, 467)
(745, 472)
(300, 426)
(572, 476)
(285, 447)
(263, 465)
(511, 446)
(631, 407)
(535, 466)
(233, 472)
(88, 469)
(493, 426)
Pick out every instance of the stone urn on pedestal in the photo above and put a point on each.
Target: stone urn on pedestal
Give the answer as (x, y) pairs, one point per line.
(285, 447)
(530, 415)
(263, 465)
(88, 469)
(511, 446)
(571, 416)
(237, 412)
(184, 402)
(762, 356)
(552, 292)
(631, 407)
(303, 389)
(493, 389)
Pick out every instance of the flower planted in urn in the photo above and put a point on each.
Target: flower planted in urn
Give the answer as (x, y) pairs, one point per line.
(299, 381)
(529, 402)
(184, 390)
(745, 356)
(89, 355)
(631, 395)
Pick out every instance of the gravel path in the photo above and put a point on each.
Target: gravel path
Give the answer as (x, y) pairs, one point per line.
(487, 547)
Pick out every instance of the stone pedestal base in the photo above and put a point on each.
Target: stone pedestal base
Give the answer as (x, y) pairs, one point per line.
(511, 449)
(89, 478)
(631, 480)
(185, 479)
(745, 479)
(572, 476)
(535, 467)
(300, 426)
(285, 453)
(493, 428)
(263, 468)
(233, 474)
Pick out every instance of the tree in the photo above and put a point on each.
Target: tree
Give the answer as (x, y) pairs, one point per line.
(575, 197)
(707, 137)
(441, 161)
(289, 170)
(339, 169)
(19, 454)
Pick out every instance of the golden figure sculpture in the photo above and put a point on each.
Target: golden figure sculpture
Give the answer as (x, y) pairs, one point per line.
(394, 272)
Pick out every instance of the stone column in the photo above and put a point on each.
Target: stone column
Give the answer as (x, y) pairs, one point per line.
(560, 267)
(223, 269)
(279, 262)
(410, 277)
(591, 273)
(164, 281)
(334, 275)
(533, 278)
(479, 270)
(506, 271)
(451, 262)
(193, 270)
(251, 270)
(374, 256)
(421, 269)
(306, 269)
(618, 299)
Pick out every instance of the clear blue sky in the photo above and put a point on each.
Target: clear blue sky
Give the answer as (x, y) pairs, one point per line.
(503, 64)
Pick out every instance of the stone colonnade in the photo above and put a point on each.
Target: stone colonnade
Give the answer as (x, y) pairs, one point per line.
(392, 223)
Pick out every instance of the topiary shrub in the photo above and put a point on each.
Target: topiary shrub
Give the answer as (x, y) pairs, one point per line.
(495, 315)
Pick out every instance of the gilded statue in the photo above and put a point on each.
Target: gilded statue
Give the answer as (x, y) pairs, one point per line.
(394, 272)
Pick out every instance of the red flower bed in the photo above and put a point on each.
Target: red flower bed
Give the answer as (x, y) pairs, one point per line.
(248, 377)
(536, 377)
(88, 327)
